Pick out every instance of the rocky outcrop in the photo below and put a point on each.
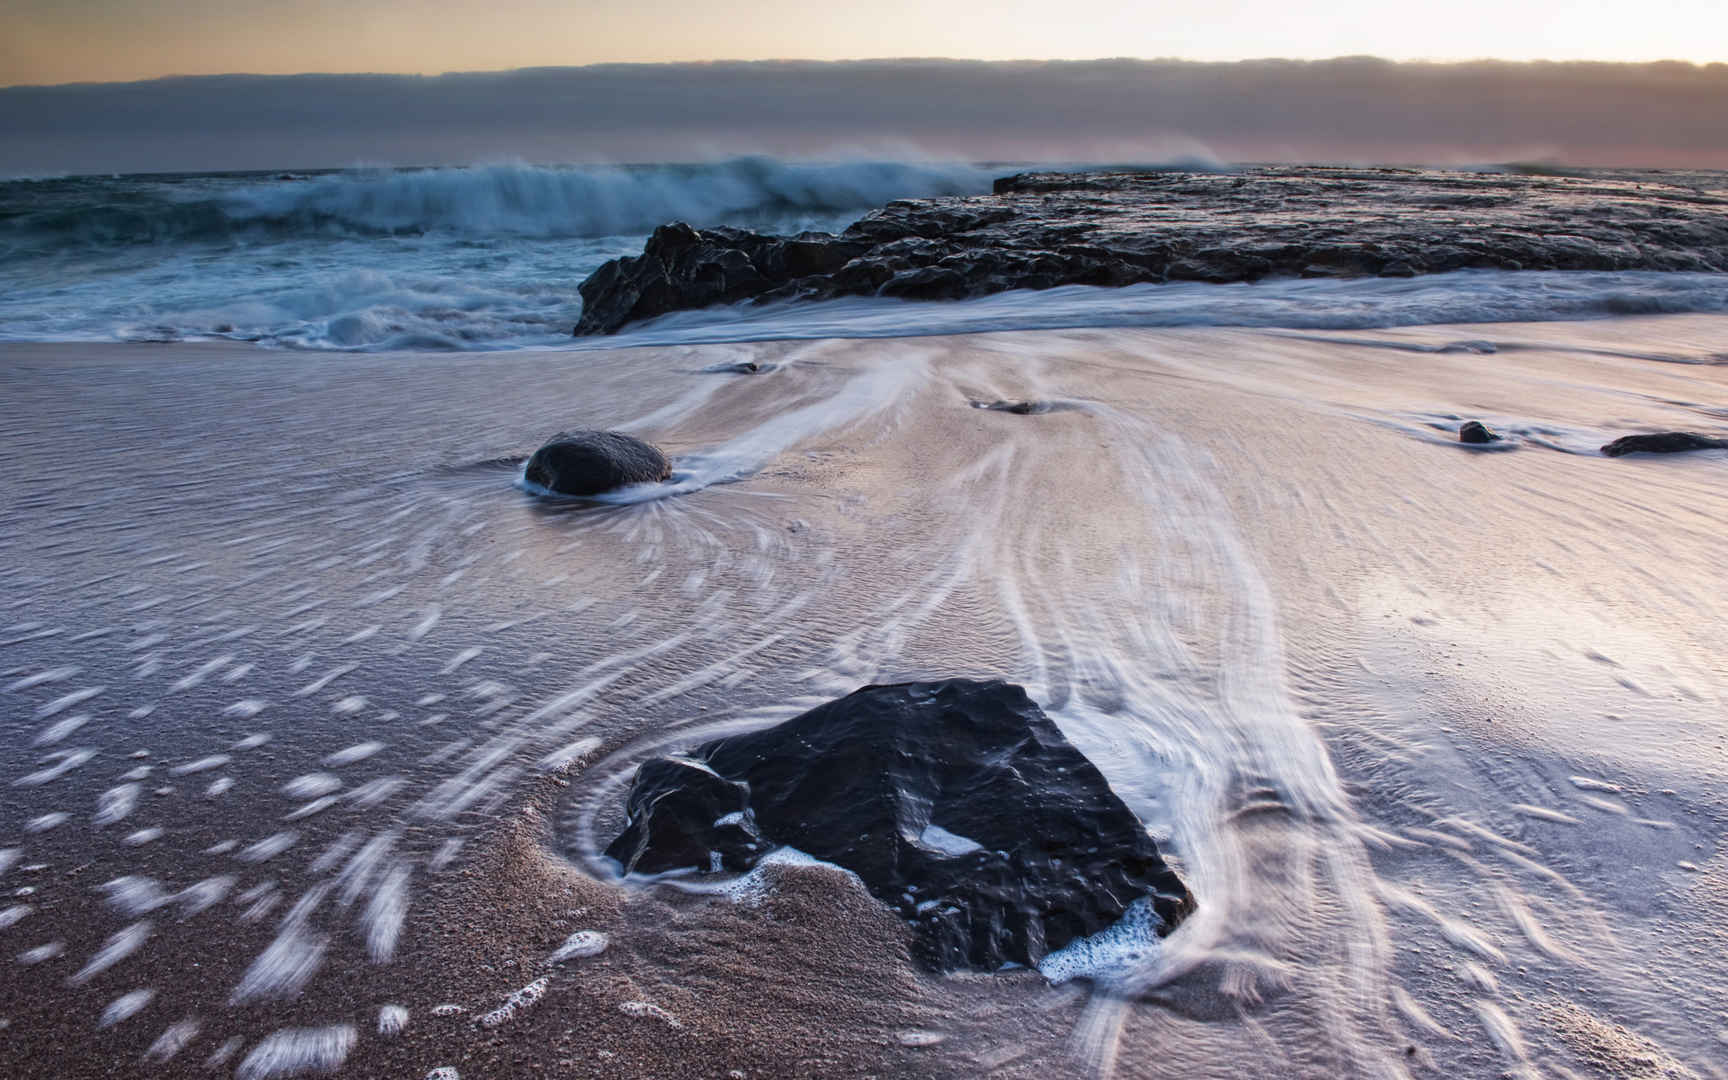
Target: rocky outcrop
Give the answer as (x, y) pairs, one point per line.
(682, 268)
(1663, 442)
(1040, 230)
(1474, 431)
(593, 462)
(957, 803)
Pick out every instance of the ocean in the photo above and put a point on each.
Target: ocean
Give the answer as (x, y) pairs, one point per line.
(488, 258)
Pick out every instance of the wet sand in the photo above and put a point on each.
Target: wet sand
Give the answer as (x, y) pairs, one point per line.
(1435, 733)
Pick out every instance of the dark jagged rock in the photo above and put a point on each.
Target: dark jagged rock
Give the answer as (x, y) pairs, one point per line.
(684, 814)
(682, 268)
(958, 803)
(1663, 442)
(591, 462)
(1474, 431)
(1040, 230)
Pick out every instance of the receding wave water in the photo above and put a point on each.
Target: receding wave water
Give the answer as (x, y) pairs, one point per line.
(296, 687)
(1308, 304)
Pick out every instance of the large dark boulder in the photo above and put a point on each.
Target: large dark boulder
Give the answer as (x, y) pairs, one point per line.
(1474, 431)
(1663, 442)
(592, 462)
(957, 803)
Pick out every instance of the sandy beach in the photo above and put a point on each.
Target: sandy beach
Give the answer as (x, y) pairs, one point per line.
(310, 711)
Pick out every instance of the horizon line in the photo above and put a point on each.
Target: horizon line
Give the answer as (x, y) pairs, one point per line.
(1669, 63)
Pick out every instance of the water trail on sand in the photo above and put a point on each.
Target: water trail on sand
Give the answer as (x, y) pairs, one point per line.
(377, 664)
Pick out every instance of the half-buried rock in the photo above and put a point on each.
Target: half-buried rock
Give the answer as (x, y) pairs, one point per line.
(592, 462)
(1663, 442)
(1474, 431)
(958, 803)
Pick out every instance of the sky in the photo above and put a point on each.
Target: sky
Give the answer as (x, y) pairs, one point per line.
(61, 41)
(1121, 111)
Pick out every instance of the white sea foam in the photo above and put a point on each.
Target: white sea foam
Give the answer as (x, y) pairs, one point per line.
(524, 998)
(1126, 946)
(579, 946)
(1465, 296)
(293, 1051)
(392, 1019)
(174, 1038)
(118, 947)
(125, 1006)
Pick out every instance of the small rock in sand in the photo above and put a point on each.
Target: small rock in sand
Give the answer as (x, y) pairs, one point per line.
(1475, 432)
(1019, 408)
(592, 462)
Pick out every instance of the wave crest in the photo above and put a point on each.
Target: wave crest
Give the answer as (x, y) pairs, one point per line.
(506, 199)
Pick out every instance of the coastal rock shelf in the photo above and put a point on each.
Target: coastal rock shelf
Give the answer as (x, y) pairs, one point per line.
(957, 803)
(1040, 230)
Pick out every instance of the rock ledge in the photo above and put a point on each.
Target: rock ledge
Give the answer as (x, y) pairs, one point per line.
(1040, 230)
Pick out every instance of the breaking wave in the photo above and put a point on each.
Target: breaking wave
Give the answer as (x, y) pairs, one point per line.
(488, 200)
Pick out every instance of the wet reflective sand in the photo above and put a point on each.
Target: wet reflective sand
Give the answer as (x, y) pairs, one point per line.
(313, 722)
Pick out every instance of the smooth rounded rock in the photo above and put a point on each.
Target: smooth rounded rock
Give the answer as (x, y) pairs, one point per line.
(594, 462)
(1474, 431)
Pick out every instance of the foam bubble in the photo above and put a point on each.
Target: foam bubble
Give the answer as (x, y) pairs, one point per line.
(392, 1019)
(291, 1051)
(284, 968)
(579, 946)
(173, 1039)
(41, 953)
(269, 847)
(118, 947)
(125, 1006)
(46, 821)
(1125, 946)
(357, 752)
(524, 998)
(648, 1010)
(134, 895)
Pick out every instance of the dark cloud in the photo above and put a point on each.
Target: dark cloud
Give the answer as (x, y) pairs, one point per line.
(1352, 108)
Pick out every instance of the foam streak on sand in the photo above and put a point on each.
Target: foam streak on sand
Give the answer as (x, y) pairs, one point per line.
(1431, 733)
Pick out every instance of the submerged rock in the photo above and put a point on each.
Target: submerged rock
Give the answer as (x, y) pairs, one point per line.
(592, 462)
(958, 803)
(1474, 431)
(1041, 230)
(1663, 442)
(1019, 408)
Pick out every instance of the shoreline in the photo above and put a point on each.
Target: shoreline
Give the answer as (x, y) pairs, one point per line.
(1351, 668)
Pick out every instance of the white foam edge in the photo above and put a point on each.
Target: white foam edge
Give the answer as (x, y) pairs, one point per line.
(747, 887)
(1128, 945)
